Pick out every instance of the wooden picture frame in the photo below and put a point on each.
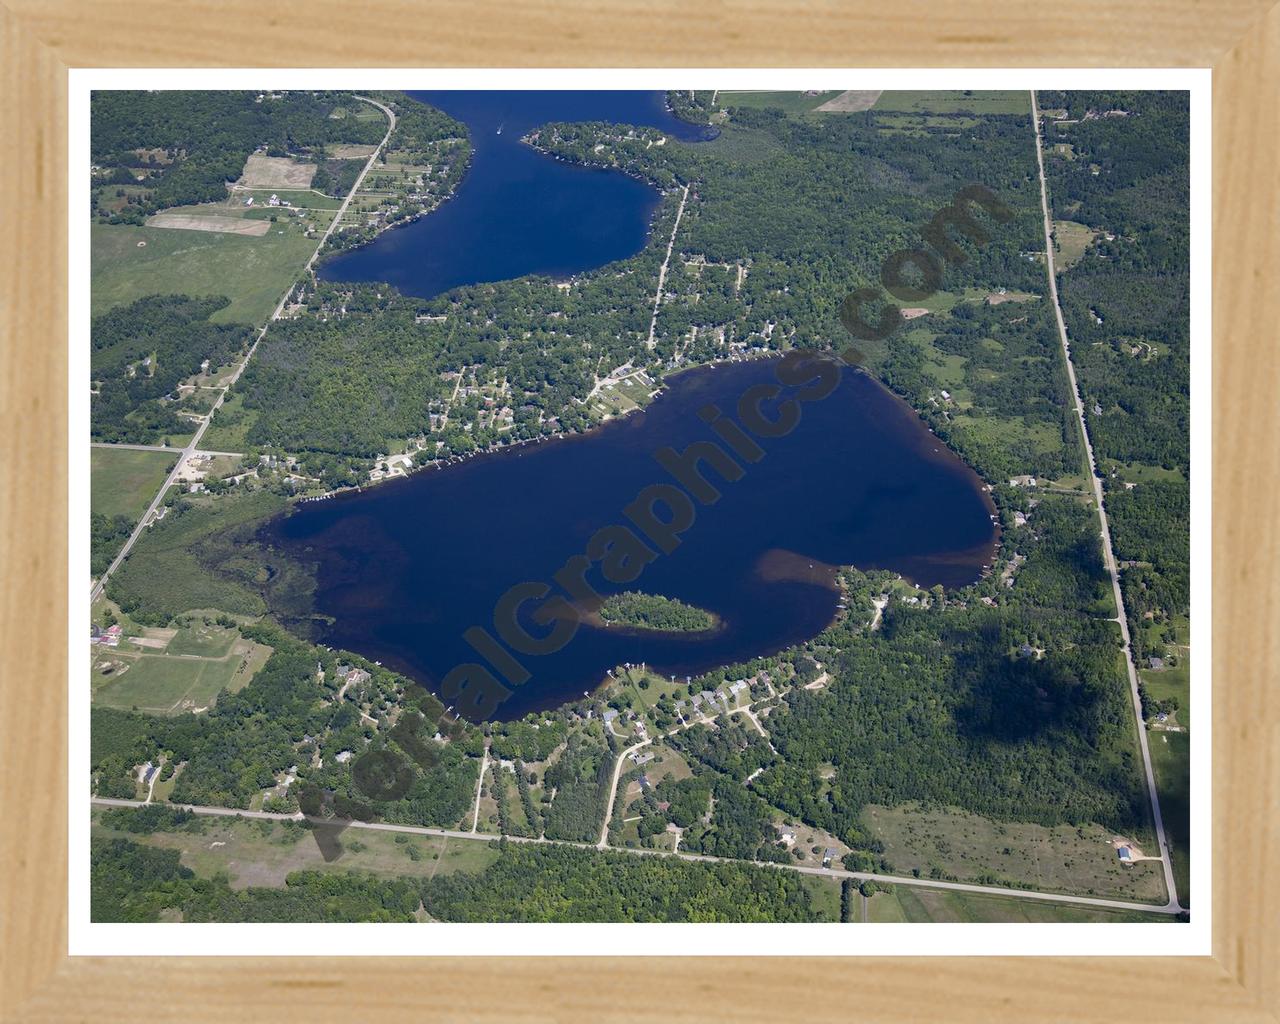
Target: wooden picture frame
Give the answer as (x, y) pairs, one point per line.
(42, 39)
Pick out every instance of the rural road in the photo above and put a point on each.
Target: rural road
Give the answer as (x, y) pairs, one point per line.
(1108, 555)
(927, 883)
(185, 453)
(156, 448)
(662, 273)
(484, 766)
(613, 791)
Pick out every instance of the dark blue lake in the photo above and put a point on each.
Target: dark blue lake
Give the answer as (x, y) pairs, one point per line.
(405, 569)
(518, 211)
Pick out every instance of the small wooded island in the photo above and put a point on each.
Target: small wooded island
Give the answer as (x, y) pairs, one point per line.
(654, 612)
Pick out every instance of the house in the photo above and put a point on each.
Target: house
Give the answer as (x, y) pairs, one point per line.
(644, 780)
(828, 855)
(1156, 663)
(609, 716)
(1025, 480)
(1125, 853)
(788, 836)
(738, 687)
(1026, 651)
(274, 200)
(640, 759)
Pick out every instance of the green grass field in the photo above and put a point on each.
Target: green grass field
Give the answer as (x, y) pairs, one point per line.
(252, 271)
(164, 684)
(968, 847)
(205, 641)
(955, 101)
(122, 482)
(917, 904)
(308, 199)
(1072, 240)
(791, 102)
(1171, 762)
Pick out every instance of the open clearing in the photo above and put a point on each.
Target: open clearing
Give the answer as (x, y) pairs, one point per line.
(792, 102)
(971, 848)
(917, 904)
(956, 101)
(253, 271)
(261, 171)
(1171, 763)
(1072, 240)
(169, 683)
(348, 151)
(191, 222)
(263, 853)
(122, 481)
(850, 101)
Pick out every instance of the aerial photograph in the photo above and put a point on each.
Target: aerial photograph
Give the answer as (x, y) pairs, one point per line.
(639, 506)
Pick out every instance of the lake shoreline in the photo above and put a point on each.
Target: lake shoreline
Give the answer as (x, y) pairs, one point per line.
(395, 594)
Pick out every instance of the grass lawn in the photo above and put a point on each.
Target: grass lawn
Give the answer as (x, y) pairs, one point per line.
(1171, 762)
(825, 896)
(252, 271)
(1171, 682)
(1067, 858)
(916, 904)
(122, 482)
(1071, 240)
(955, 101)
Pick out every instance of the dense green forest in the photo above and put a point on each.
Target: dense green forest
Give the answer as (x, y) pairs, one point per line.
(186, 147)
(652, 611)
(580, 777)
(532, 882)
(1016, 710)
(1120, 165)
(134, 882)
(142, 352)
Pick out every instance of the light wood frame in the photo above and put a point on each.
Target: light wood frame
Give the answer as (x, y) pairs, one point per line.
(41, 39)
